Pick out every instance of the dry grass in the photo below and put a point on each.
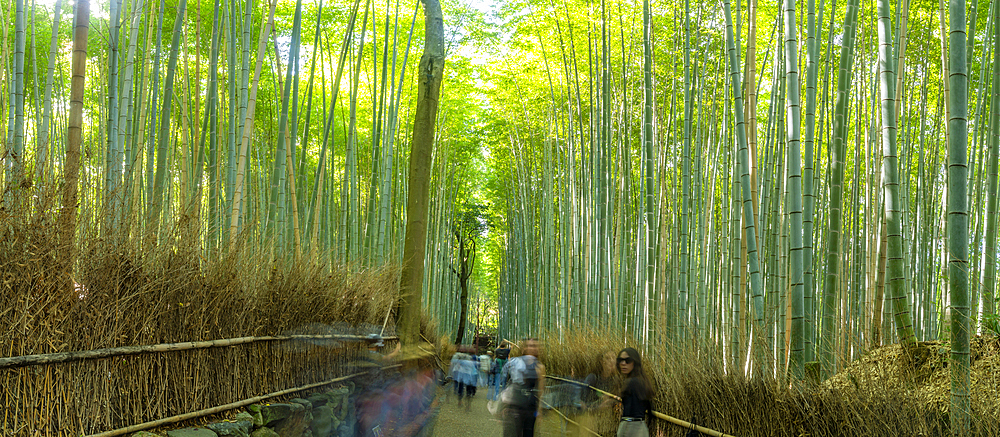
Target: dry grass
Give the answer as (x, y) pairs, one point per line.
(929, 382)
(131, 293)
(692, 385)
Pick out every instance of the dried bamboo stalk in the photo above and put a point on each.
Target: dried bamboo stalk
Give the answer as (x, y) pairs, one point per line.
(584, 385)
(63, 357)
(690, 425)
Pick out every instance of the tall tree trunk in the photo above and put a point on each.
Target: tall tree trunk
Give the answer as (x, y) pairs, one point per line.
(466, 262)
(812, 73)
(275, 225)
(879, 300)
(750, 111)
(127, 107)
(422, 144)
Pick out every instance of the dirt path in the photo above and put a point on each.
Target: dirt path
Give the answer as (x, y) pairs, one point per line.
(455, 421)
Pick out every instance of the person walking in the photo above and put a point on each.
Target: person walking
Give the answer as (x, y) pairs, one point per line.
(636, 396)
(496, 371)
(463, 374)
(470, 375)
(526, 381)
(485, 362)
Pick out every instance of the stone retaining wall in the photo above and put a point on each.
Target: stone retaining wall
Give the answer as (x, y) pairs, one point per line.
(327, 414)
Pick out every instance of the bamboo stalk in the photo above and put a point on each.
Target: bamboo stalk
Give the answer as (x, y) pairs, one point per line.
(74, 136)
(689, 425)
(238, 196)
(64, 357)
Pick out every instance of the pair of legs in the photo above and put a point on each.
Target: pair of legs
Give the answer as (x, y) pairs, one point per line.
(462, 389)
(495, 387)
(467, 391)
(519, 422)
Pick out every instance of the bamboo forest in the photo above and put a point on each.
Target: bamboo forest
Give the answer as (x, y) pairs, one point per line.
(789, 208)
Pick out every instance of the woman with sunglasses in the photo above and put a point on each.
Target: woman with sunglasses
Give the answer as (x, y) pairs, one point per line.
(636, 397)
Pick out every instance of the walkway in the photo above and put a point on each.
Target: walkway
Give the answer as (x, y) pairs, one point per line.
(454, 421)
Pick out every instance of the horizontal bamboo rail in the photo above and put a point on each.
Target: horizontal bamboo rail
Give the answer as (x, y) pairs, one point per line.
(226, 407)
(674, 420)
(581, 384)
(64, 357)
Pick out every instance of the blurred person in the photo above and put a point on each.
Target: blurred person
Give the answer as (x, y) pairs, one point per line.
(496, 370)
(374, 361)
(463, 374)
(525, 376)
(503, 350)
(406, 406)
(470, 375)
(636, 396)
(454, 368)
(485, 362)
(605, 377)
(475, 363)
(596, 409)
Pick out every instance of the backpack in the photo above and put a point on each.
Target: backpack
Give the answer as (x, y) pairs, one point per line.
(497, 366)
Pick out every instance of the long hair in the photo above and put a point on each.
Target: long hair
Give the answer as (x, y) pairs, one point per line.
(637, 372)
(597, 366)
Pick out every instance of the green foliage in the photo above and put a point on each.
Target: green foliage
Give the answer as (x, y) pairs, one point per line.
(472, 219)
(991, 324)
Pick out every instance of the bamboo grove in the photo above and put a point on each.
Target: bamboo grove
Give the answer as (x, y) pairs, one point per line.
(278, 127)
(779, 183)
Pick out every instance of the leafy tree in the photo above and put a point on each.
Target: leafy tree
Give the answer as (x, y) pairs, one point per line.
(470, 226)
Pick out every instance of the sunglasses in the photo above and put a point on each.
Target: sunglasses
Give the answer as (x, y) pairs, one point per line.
(626, 360)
